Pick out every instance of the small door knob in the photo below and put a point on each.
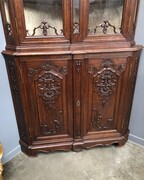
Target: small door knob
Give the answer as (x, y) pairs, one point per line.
(78, 103)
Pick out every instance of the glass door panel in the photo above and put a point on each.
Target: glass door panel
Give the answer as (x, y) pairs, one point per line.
(7, 18)
(105, 16)
(76, 11)
(43, 17)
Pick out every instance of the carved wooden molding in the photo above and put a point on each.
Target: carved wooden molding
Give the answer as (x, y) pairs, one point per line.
(98, 123)
(45, 26)
(11, 69)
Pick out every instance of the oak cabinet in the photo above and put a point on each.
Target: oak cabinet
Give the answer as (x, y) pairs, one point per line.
(72, 67)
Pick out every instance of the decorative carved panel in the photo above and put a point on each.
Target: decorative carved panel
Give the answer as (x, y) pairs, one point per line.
(105, 81)
(49, 87)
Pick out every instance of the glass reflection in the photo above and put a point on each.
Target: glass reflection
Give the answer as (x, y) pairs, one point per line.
(105, 16)
(6, 11)
(8, 24)
(43, 17)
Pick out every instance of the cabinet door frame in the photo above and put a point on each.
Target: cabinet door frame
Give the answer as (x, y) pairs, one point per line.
(21, 26)
(25, 74)
(124, 74)
(129, 18)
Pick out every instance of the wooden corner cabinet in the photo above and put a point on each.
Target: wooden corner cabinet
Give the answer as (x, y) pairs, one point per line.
(72, 67)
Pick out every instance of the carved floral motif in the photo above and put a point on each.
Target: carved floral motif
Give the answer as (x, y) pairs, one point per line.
(97, 121)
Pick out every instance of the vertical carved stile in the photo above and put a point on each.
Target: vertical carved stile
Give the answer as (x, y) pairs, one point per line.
(11, 69)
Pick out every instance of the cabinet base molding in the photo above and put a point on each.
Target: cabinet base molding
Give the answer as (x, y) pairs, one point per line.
(79, 145)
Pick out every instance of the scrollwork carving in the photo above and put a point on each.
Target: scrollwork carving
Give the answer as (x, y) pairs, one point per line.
(47, 66)
(45, 26)
(56, 125)
(105, 26)
(98, 123)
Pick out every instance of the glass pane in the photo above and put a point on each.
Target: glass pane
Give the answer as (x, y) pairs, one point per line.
(105, 16)
(76, 11)
(43, 17)
(8, 24)
(6, 11)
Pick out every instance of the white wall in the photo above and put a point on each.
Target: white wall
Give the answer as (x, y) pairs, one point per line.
(137, 115)
(8, 128)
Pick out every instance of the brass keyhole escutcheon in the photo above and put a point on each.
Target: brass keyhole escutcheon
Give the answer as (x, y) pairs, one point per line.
(78, 103)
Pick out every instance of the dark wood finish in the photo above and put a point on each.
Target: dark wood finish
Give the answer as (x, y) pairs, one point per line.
(71, 91)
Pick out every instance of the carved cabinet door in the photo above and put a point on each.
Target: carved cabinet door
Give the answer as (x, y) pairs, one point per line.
(47, 97)
(105, 92)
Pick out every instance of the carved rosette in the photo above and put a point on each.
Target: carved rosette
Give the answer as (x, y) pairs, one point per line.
(97, 121)
(50, 87)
